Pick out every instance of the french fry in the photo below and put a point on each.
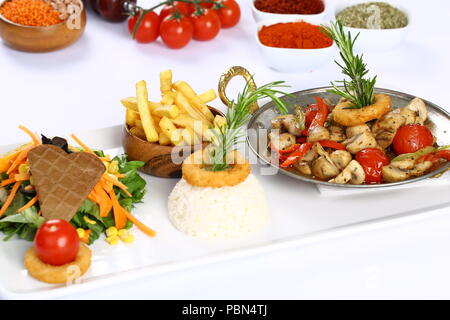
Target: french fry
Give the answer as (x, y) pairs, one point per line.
(194, 99)
(163, 139)
(167, 111)
(138, 132)
(208, 96)
(165, 80)
(168, 98)
(168, 128)
(182, 102)
(131, 117)
(143, 107)
(131, 104)
(177, 137)
(185, 121)
(190, 137)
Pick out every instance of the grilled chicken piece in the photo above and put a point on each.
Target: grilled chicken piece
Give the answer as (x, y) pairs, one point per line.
(341, 158)
(353, 131)
(420, 168)
(418, 106)
(406, 164)
(317, 134)
(353, 174)
(288, 122)
(337, 133)
(361, 141)
(408, 114)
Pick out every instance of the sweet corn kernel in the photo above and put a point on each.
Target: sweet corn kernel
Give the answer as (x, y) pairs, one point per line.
(111, 231)
(24, 168)
(128, 239)
(112, 240)
(81, 233)
(123, 233)
(113, 167)
(89, 221)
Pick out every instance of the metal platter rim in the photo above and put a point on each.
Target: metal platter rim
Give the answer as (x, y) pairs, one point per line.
(329, 184)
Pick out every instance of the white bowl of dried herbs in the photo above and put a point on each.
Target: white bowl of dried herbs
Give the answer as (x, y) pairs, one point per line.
(381, 25)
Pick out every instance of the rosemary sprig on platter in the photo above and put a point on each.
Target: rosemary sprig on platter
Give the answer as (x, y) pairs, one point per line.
(359, 90)
(227, 137)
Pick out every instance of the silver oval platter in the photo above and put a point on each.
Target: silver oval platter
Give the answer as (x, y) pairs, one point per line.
(260, 124)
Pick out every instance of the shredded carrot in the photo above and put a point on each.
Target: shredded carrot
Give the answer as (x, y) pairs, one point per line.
(139, 224)
(10, 198)
(117, 183)
(86, 237)
(120, 217)
(31, 134)
(120, 175)
(29, 204)
(20, 159)
(7, 181)
(22, 177)
(40, 212)
(105, 201)
(81, 143)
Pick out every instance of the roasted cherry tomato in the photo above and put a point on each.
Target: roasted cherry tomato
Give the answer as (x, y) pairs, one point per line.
(372, 160)
(184, 8)
(230, 14)
(148, 29)
(411, 138)
(206, 26)
(176, 32)
(56, 242)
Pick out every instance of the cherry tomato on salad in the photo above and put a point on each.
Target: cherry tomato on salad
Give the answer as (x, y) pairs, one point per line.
(56, 242)
(411, 138)
(176, 32)
(206, 26)
(372, 160)
(207, 5)
(230, 14)
(148, 29)
(184, 8)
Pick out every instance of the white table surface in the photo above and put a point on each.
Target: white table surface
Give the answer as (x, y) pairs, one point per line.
(78, 89)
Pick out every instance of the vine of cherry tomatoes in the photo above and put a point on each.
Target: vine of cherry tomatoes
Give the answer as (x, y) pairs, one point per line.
(181, 21)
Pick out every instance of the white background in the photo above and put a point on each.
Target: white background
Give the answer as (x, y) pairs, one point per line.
(78, 88)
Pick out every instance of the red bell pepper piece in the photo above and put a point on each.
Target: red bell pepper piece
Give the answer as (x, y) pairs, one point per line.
(290, 149)
(297, 154)
(301, 140)
(332, 144)
(321, 115)
(443, 154)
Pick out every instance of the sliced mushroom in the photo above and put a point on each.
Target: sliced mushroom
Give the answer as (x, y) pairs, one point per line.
(281, 141)
(384, 139)
(324, 169)
(418, 106)
(337, 133)
(393, 174)
(353, 173)
(390, 123)
(310, 156)
(341, 158)
(408, 114)
(288, 122)
(302, 167)
(353, 131)
(361, 141)
(317, 134)
(406, 164)
(420, 168)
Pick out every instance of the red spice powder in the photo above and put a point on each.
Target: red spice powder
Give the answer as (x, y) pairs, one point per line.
(30, 12)
(298, 35)
(290, 6)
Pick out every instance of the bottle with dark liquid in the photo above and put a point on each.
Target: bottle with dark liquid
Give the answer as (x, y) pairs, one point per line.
(113, 10)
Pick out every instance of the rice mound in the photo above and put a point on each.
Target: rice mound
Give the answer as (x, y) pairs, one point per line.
(218, 213)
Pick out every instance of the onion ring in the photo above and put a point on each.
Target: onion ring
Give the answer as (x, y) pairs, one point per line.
(195, 172)
(354, 117)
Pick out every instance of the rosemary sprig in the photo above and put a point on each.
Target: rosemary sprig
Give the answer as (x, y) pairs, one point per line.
(359, 90)
(226, 138)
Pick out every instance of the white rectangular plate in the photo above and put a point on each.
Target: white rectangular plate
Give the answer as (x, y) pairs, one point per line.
(299, 214)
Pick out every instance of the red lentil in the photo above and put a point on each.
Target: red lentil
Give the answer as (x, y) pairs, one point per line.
(30, 12)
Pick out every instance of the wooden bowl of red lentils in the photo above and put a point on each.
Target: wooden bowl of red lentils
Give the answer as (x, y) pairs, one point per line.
(41, 25)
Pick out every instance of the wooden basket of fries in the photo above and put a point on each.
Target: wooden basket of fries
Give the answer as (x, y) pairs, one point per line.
(159, 132)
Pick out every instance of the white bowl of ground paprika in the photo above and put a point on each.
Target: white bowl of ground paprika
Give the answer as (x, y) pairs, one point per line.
(294, 45)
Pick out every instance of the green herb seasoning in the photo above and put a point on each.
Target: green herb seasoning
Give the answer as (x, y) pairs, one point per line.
(373, 15)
